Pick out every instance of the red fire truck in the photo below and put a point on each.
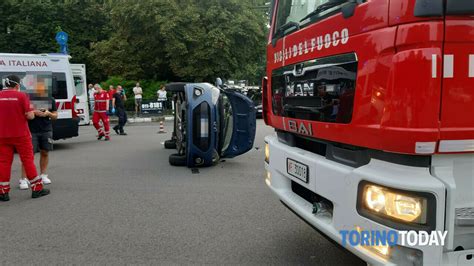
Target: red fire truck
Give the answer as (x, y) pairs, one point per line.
(372, 102)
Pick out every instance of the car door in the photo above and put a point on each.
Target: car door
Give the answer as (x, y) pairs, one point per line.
(238, 133)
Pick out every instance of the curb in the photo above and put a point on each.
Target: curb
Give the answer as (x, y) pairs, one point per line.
(114, 119)
(147, 119)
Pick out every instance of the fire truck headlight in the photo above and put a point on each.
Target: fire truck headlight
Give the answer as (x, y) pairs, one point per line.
(374, 198)
(402, 207)
(267, 153)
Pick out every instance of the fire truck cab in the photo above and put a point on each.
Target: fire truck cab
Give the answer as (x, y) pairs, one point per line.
(372, 102)
(51, 74)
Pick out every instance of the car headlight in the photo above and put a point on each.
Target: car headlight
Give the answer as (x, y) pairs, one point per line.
(197, 92)
(267, 153)
(397, 208)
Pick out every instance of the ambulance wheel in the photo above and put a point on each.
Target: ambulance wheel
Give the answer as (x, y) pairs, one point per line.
(170, 144)
(177, 160)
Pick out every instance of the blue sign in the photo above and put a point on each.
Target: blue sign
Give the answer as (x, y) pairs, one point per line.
(62, 38)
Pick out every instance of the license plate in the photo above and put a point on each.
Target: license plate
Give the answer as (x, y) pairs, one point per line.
(297, 169)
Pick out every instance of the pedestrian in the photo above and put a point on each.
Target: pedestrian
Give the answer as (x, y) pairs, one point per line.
(15, 111)
(92, 91)
(41, 130)
(111, 96)
(118, 105)
(100, 113)
(124, 95)
(162, 96)
(138, 92)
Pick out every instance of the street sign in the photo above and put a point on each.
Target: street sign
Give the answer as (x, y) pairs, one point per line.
(62, 38)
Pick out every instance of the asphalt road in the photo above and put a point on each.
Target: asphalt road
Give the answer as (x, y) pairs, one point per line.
(120, 202)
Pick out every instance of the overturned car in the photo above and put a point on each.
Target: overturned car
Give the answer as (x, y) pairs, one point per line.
(209, 124)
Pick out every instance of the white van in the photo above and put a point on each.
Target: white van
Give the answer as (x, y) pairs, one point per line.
(52, 73)
(82, 103)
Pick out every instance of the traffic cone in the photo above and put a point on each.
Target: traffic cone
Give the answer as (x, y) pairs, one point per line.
(162, 128)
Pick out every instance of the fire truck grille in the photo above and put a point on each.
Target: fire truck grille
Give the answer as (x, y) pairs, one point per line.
(317, 90)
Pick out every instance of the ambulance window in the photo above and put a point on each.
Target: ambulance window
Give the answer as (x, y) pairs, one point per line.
(59, 86)
(79, 85)
(3, 75)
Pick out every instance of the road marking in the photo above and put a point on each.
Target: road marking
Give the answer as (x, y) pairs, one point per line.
(448, 66)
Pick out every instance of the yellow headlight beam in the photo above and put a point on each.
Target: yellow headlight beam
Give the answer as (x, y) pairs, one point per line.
(393, 204)
(267, 153)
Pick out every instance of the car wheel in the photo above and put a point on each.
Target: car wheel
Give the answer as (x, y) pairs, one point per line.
(170, 144)
(215, 158)
(177, 160)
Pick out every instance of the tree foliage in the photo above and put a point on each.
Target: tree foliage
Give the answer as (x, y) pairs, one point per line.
(193, 40)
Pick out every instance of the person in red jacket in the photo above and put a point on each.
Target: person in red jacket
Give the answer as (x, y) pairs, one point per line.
(15, 111)
(100, 113)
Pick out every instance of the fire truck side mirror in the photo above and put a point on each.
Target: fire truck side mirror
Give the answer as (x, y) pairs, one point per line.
(349, 9)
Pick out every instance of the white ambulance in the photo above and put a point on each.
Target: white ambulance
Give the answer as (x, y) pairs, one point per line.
(51, 73)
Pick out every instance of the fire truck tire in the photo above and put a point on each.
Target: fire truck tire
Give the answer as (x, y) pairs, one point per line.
(170, 144)
(177, 160)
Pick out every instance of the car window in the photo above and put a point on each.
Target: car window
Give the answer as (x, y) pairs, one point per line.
(228, 122)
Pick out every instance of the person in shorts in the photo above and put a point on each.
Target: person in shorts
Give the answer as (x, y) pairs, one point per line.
(138, 92)
(41, 130)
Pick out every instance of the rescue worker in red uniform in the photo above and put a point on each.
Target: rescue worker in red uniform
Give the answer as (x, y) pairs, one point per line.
(100, 113)
(15, 111)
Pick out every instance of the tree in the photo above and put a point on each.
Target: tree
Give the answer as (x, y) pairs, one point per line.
(183, 39)
(192, 40)
(29, 27)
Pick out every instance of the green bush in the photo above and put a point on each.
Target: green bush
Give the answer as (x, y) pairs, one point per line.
(150, 87)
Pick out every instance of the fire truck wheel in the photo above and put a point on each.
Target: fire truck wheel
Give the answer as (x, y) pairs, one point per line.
(177, 160)
(170, 144)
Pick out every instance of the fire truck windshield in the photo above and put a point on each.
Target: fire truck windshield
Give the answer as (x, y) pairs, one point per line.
(303, 13)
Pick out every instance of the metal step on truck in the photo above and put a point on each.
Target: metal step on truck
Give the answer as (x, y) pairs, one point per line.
(372, 102)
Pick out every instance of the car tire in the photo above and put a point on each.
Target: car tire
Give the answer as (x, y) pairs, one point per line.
(170, 144)
(215, 158)
(177, 160)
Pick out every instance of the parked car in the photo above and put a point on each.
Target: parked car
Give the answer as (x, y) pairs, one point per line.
(210, 124)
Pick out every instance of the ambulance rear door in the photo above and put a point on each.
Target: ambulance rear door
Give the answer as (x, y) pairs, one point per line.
(80, 83)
